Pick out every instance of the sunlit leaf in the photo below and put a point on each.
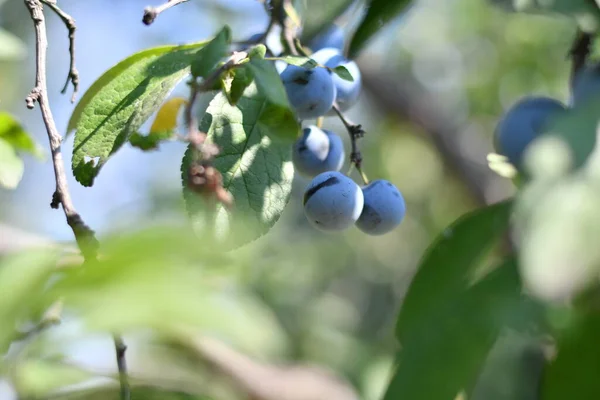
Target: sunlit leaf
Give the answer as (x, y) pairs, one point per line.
(166, 118)
(207, 58)
(255, 163)
(12, 132)
(120, 101)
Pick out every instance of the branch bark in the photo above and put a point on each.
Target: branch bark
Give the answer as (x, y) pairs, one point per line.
(85, 237)
(150, 13)
(407, 104)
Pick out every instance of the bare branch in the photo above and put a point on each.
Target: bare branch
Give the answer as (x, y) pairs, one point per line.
(73, 76)
(120, 349)
(150, 13)
(84, 236)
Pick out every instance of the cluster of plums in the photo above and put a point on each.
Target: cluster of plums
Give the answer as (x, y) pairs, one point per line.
(332, 200)
(532, 116)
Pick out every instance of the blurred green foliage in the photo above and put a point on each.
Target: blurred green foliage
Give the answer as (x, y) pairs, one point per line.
(303, 296)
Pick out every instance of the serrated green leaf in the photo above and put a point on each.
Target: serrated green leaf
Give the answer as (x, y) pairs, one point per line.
(208, 57)
(455, 338)
(379, 13)
(12, 132)
(319, 14)
(450, 263)
(120, 101)
(11, 166)
(300, 61)
(255, 163)
(574, 371)
(268, 82)
(343, 73)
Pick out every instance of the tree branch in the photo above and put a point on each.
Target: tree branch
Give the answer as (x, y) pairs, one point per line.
(84, 236)
(73, 76)
(407, 104)
(120, 349)
(356, 132)
(150, 13)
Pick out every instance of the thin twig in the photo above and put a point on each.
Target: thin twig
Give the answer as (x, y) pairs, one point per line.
(84, 236)
(288, 29)
(120, 349)
(73, 76)
(356, 132)
(150, 13)
(579, 52)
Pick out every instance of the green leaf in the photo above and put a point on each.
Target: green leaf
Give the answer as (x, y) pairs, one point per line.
(513, 369)
(443, 356)
(21, 275)
(236, 83)
(585, 11)
(450, 263)
(379, 13)
(343, 73)
(120, 101)
(300, 61)
(320, 14)
(150, 141)
(207, 58)
(38, 378)
(257, 51)
(268, 82)
(255, 163)
(11, 47)
(13, 133)
(138, 392)
(573, 373)
(11, 166)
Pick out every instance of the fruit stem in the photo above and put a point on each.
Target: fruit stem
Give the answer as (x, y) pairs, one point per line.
(320, 122)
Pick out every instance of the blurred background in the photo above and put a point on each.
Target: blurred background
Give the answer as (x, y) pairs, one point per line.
(435, 82)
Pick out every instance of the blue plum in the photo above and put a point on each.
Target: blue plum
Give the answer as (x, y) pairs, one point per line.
(333, 202)
(311, 91)
(333, 36)
(384, 208)
(318, 151)
(347, 92)
(522, 123)
(586, 85)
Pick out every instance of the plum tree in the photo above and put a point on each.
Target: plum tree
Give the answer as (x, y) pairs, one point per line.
(332, 36)
(347, 92)
(311, 91)
(384, 208)
(333, 202)
(318, 151)
(526, 120)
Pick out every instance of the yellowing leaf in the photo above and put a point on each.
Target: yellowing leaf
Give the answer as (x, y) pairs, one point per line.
(166, 118)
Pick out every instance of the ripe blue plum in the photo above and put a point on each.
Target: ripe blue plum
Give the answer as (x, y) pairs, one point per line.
(586, 86)
(347, 92)
(333, 36)
(318, 151)
(333, 202)
(523, 122)
(384, 208)
(311, 92)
